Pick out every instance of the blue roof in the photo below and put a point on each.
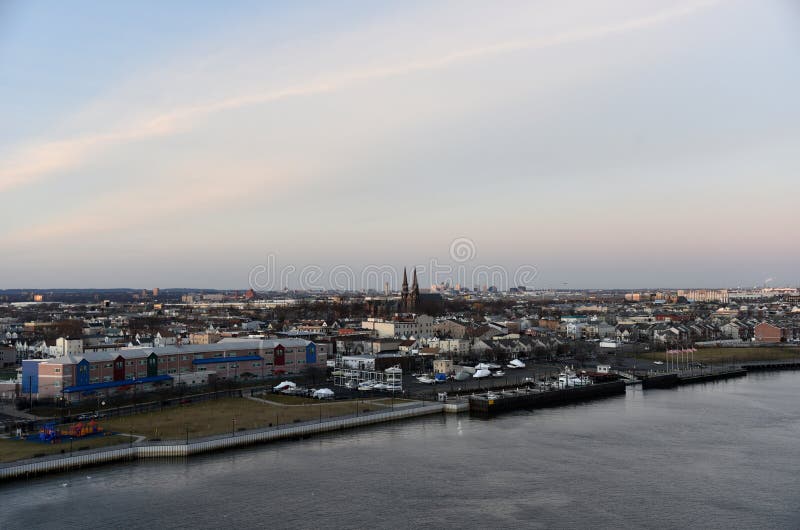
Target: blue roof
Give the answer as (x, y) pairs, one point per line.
(112, 384)
(214, 360)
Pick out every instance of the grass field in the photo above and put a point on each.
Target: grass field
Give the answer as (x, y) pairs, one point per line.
(11, 450)
(226, 415)
(735, 355)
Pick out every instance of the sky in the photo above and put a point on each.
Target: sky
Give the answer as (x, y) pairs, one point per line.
(602, 144)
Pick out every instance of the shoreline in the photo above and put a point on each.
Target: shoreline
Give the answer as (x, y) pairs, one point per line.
(217, 443)
(141, 450)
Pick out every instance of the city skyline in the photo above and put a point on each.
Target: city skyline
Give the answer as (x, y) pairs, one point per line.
(620, 145)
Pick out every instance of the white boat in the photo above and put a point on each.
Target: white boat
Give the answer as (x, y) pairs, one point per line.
(479, 374)
(499, 373)
(515, 363)
(285, 385)
(487, 366)
(396, 387)
(380, 386)
(462, 376)
(566, 380)
(426, 380)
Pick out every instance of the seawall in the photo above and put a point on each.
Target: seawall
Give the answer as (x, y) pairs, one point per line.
(133, 452)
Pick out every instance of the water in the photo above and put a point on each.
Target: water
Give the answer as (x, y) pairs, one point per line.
(719, 455)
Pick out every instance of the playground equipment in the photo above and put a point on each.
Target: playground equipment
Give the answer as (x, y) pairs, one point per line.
(50, 434)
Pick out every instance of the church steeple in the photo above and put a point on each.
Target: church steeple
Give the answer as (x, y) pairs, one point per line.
(404, 292)
(414, 292)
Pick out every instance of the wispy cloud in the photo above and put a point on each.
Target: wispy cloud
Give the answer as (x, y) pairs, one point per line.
(38, 160)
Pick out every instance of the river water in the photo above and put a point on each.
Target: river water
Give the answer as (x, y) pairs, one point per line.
(718, 455)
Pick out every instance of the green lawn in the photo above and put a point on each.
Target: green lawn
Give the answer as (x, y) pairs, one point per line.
(11, 450)
(226, 415)
(735, 355)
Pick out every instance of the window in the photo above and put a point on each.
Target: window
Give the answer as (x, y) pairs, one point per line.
(57, 370)
(142, 362)
(93, 368)
(106, 378)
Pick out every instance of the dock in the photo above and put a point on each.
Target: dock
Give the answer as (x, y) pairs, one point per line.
(490, 403)
(770, 366)
(682, 378)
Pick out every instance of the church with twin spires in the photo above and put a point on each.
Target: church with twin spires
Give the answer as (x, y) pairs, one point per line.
(409, 299)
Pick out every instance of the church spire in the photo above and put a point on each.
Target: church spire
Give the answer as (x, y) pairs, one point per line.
(414, 292)
(404, 292)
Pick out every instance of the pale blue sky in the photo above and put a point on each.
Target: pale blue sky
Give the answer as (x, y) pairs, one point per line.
(622, 143)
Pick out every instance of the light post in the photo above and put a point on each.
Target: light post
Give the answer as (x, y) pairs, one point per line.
(233, 426)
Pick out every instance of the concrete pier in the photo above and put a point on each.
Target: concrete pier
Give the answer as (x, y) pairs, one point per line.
(492, 403)
(680, 379)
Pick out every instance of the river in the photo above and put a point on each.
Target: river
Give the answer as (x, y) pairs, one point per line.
(716, 455)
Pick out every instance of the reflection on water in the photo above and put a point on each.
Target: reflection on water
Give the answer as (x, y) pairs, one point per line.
(720, 455)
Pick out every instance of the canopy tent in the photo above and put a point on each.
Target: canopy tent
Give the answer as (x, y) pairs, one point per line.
(323, 393)
(284, 385)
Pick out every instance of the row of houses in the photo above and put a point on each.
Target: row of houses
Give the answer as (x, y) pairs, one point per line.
(678, 333)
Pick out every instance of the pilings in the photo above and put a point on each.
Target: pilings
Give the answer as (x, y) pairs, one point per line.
(208, 445)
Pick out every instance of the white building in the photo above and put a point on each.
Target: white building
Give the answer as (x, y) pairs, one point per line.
(68, 346)
(417, 326)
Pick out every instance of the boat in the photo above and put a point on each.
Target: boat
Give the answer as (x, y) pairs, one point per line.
(480, 374)
(380, 386)
(425, 380)
(395, 387)
(352, 384)
(462, 376)
(499, 373)
(365, 386)
(487, 366)
(515, 363)
(440, 378)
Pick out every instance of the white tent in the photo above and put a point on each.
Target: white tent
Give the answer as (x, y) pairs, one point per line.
(323, 393)
(284, 385)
